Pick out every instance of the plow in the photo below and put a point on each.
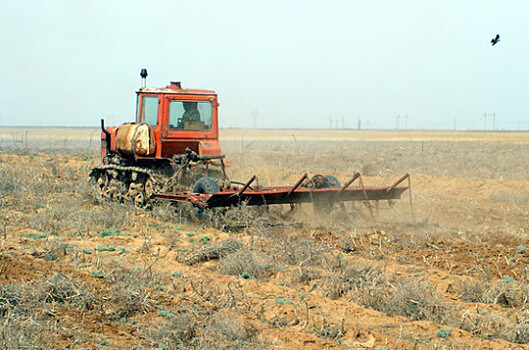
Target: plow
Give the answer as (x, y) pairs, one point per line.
(172, 153)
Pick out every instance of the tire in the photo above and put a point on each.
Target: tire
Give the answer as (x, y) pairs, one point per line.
(324, 206)
(332, 182)
(205, 185)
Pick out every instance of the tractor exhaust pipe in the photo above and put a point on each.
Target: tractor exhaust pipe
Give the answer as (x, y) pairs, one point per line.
(143, 75)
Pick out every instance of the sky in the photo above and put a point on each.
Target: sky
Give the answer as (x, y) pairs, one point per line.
(415, 64)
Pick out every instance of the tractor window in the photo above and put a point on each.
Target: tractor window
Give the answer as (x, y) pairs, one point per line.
(190, 115)
(149, 110)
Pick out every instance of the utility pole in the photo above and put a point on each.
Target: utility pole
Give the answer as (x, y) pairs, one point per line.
(359, 124)
(343, 123)
(494, 121)
(406, 123)
(254, 115)
(455, 123)
(331, 122)
(397, 122)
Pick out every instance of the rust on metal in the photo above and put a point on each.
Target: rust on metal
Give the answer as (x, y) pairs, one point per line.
(348, 183)
(285, 195)
(402, 178)
(300, 181)
(246, 185)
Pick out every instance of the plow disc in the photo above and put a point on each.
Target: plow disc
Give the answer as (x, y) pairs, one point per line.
(289, 195)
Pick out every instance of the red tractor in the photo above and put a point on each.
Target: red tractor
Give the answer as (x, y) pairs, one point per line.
(172, 152)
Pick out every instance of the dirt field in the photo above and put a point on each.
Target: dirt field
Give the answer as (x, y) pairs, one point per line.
(448, 270)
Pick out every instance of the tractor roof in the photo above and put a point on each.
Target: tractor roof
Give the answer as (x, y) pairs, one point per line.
(176, 88)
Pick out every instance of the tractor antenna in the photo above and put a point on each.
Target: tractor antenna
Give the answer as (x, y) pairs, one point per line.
(143, 75)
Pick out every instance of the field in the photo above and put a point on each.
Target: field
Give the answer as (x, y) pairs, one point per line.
(446, 270)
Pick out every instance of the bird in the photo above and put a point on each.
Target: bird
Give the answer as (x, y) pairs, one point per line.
(495, 40)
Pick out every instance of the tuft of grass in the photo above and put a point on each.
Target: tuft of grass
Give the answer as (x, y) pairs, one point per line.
(223, 330)
(245, 262)
(53, 249)
(113, 231)
(20, 332)
(474, 292)
(108, 248)
(38, 235)
(98, 274)
(176, 332)
(418, 300)
(301, 252)
(103, 342)
(130, 292)
(365, 284)
(444, 333)
(165, 313)
(62, 289)
(247, 276)
(213, 251)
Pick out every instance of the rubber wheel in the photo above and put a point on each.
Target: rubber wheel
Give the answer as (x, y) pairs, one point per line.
(324, 206)
(205, 185)
(332, 182)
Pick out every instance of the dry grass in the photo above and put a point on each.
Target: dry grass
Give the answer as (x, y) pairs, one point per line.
(173, 213)
(213, 251)
(507, 293)
(303, 252)
(279, 162)
(28, 311)
(61, 214)
(418, 300)
(17, 332)
(177, 332)
(194, 329)
(246, 263)
(362, 283)
(25, 298)
(369, 286)
(131, 291)
(51, 196)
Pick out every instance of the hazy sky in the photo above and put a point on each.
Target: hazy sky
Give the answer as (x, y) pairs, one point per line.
(297, 63)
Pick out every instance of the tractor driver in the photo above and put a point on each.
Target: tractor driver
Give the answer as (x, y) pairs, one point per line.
(191, 113)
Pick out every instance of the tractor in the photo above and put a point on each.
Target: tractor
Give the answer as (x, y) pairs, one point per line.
(171, 152)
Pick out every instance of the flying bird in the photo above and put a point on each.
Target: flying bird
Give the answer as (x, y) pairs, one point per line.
(495, 40)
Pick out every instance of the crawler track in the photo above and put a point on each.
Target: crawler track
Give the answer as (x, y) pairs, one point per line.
(125, 183)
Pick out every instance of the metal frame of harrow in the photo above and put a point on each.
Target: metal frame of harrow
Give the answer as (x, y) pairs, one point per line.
(290, 195)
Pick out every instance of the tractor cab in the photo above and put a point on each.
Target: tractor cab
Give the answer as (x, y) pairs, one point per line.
(180, 119)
